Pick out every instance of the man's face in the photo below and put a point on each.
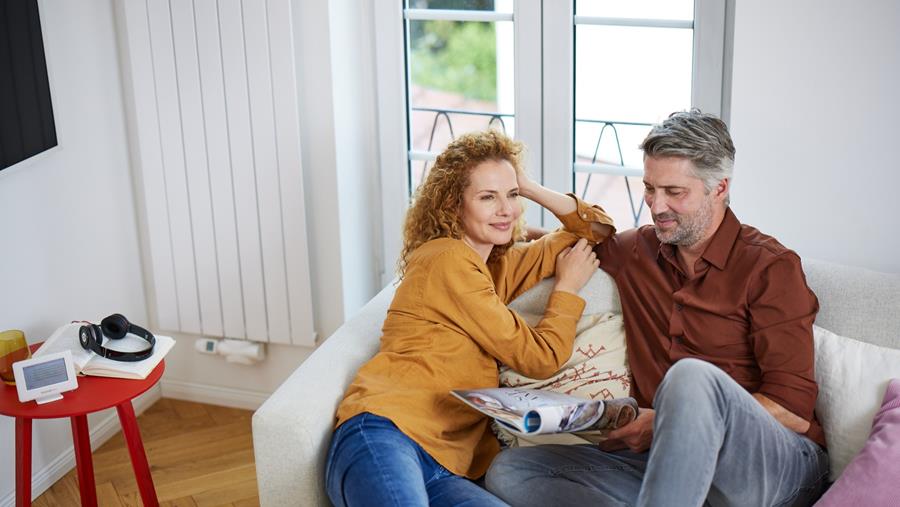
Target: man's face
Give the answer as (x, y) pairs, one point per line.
(683, 211)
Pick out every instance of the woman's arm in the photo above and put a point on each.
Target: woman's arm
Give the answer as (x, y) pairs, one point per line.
(459, 293)
(559, 204)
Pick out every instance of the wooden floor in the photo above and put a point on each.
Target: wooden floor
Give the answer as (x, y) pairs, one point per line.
(200, 455)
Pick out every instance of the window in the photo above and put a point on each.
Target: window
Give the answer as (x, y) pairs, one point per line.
(459, 75)
(579, 82)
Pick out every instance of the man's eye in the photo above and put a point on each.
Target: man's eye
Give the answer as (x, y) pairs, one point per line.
(674, 192)
(513, 195)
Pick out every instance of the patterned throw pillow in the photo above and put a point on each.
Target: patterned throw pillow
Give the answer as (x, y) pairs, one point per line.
(596, 370)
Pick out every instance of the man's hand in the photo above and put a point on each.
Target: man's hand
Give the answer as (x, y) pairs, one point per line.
(787, 418)
(533, 233)
(636, 435)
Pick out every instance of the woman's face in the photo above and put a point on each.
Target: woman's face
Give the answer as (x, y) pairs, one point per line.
(490, 206)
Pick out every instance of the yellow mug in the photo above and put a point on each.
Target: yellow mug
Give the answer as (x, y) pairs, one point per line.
(13, 347)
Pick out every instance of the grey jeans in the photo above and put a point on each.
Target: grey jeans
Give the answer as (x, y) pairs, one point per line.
(713, 444)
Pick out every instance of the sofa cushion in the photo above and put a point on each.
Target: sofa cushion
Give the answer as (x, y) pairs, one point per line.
(856, 302)
(597, 368)
(599, 293)
(871, 477)
(852, 378)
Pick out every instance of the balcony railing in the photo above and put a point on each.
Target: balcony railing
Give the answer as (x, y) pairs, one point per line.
(581, 164)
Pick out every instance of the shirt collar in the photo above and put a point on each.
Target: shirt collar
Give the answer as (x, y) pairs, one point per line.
(719, 246)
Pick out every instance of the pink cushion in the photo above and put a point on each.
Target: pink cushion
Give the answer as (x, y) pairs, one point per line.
(873, 476)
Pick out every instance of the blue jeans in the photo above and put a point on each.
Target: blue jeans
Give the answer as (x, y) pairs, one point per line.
(713, 444)
(372, 463)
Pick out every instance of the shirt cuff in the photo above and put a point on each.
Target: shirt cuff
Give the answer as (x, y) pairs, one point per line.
(795, 398)
(580, 220)
(566, 303)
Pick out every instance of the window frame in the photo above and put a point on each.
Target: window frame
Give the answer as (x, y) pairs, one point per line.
(544, 96)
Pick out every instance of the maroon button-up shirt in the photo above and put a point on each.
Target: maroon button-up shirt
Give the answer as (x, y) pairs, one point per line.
(747, 309)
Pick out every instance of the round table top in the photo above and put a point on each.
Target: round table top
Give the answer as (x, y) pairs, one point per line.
(93, 394)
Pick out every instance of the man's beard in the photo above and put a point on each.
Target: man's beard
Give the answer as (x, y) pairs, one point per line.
(689, 229)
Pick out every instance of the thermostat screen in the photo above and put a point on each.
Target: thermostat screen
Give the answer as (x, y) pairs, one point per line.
(45, 374)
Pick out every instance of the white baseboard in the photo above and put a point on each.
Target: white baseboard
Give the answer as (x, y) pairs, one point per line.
(213, 395)
(42, 479)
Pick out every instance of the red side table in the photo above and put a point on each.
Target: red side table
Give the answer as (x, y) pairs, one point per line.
(93, 394)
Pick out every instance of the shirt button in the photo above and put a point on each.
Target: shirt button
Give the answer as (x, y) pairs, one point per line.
(584, 215)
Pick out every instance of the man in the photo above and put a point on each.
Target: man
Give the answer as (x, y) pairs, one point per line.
(718, 319)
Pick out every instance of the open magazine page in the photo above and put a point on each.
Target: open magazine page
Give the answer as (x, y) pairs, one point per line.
(532, 411)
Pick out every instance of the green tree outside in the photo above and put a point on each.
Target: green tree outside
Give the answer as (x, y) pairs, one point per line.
(455, 56)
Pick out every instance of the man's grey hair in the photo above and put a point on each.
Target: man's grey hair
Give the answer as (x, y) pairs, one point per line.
(699, 137)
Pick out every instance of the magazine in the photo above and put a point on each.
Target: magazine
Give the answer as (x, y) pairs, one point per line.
(534, 412)
(87, 362)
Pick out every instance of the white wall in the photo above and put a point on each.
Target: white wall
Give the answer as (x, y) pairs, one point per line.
(67, 223)
(71, 236)
(816, 121)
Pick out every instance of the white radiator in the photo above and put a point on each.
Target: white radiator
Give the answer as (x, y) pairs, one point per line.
(211, 88)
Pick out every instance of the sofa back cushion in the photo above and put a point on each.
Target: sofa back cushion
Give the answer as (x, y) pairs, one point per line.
(856, 302)
(599, 293)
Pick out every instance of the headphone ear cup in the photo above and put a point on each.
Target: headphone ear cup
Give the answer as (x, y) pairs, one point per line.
(115, 326)
(91, 338)
(84, 337)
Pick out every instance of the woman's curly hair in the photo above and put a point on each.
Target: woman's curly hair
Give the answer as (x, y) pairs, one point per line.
(436, 210)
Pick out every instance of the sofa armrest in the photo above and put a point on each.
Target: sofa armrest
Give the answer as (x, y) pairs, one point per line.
(292, 429)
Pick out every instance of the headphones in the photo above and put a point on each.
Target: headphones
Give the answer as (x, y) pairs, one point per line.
(115, 327)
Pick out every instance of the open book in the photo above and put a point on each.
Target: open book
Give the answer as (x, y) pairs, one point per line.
(87, 362)
(532, 411)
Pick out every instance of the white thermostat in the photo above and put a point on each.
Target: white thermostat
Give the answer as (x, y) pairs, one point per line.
(45, 378)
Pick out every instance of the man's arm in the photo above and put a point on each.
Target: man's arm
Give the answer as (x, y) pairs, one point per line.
(782, 309)
(787, 418)
(533, 233)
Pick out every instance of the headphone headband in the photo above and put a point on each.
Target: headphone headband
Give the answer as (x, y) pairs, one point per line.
(115, 327)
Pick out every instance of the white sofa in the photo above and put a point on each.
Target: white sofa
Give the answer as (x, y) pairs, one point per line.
(292, 429)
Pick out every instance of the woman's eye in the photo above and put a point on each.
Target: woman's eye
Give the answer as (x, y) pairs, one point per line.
(487, 197)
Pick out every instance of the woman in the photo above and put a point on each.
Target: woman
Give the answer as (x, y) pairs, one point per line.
(401, 438)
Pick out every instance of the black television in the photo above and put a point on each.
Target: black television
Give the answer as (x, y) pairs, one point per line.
(26, 113)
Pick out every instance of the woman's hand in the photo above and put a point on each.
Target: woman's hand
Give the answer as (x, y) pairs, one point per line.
(527, 187)
(575, 266)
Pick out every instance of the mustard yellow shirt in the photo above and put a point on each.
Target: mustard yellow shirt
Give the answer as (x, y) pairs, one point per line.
(448, 327)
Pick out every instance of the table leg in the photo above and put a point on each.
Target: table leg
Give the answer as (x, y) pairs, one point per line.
(83, 460)
(138, 458)
(23, 462)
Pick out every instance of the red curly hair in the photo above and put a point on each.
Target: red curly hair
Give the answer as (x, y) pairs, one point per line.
(436, 210)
